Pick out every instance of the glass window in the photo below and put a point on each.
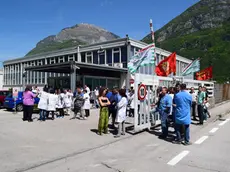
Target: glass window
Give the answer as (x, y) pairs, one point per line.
(89, 57)
(102, 58)
(123, 54)
(132, 51)
(109, 56)
(83, 57)
(116, 57)
(95, 57)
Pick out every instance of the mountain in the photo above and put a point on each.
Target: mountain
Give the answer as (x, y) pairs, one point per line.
(203, 30)
(80, 34)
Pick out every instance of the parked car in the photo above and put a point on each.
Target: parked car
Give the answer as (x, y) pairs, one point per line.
(3, 95)
(9, 103)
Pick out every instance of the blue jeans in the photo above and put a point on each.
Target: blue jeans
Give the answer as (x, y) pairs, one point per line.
(42, 114)
(186, 134)
(164, 123)
(164, 127)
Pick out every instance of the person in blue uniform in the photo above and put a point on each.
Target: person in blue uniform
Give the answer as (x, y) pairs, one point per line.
(114, 99)
(164, 108)
(183, 104)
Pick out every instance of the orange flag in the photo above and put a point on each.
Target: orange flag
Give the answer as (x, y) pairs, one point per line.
(167, 66)
(204, 74)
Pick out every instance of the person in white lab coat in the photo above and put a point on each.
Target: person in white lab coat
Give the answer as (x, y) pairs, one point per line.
(87, 104)
(68, 98)
(42, 105)
(52, 102)
(121, 113)
(131, 102)
(61, 103)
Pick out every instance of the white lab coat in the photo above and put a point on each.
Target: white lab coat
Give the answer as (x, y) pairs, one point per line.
(121, 110)
(60, 103)
(88, 90)
(87, 104)
(52, 102)
(68, 97)
(43, 102)
(131, 98)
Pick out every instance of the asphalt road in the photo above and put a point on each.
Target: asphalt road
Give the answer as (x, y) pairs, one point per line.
(67, 145)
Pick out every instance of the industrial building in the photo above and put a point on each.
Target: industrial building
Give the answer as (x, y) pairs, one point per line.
(101, 64)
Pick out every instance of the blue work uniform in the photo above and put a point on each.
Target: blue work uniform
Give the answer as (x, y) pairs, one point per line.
(183, 101)
(164, 105)
(109, 94)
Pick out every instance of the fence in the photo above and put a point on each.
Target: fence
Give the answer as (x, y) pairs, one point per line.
(221, 92)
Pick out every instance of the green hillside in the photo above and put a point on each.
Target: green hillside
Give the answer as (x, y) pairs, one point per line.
(211, 45)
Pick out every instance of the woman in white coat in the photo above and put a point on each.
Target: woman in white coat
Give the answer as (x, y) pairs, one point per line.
(87, 104)
(60, 103)
(121, 113)
(68, 98)
(52, 102)
(42, 105)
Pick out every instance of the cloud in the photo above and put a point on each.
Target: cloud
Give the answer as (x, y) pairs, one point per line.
(106, 2)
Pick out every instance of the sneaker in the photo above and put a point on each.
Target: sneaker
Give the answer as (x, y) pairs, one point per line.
(85, 118)
(205, 121)
(117, 136)
(162, 137)
(187, 143)
(178, 142)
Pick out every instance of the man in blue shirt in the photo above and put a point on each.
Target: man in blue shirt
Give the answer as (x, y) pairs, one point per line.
(183, 104)
(164, 108)
(114, 99)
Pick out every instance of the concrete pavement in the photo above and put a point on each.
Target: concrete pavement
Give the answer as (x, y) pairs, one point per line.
(72, 145)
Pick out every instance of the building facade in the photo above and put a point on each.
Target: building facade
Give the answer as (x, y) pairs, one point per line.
(110, 54)
(1, 78)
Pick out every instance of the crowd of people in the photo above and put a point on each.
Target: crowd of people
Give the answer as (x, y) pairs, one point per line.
(62, 102)
(175, 104)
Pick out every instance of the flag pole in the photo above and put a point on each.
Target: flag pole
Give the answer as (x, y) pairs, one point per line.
(153, 41)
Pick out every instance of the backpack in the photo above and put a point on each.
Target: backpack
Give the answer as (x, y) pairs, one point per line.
(78, 102)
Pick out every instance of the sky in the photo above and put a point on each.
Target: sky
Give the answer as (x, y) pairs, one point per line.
(23, 23)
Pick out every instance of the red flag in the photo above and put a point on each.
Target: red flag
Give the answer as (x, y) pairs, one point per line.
(204, 74)
(167, 66)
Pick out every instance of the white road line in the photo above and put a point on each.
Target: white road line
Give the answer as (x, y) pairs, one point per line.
(201, 140)
(224, 122)
(177, 158)
(213, 130)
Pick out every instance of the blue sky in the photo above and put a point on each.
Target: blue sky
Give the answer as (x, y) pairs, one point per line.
(25, 22)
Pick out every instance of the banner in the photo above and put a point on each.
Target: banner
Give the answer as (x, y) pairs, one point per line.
(167, 66)
(144, 57)
(204, 74)
(192, 68)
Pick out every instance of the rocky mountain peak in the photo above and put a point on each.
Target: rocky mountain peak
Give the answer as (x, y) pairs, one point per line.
(83, 33)
(203, 15)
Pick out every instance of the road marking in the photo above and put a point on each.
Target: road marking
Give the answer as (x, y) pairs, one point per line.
(213, 130)
(224, 122)
(178, 158)
(201, 140)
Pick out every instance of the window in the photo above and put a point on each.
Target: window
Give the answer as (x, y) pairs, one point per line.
(61, 59)
(95, 57)
(83, 57)
(157, 59)
(177, 67)
(52, 60)
(109, 56)
(71, 57)
(89, 57)
(116, 55)
(102, 58)
(123, 54)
